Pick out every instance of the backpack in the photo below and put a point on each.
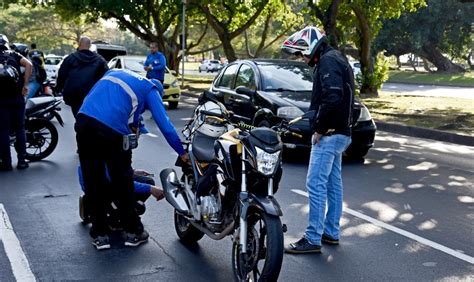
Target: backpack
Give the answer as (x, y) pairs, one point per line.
(9, 75)
(40, 74)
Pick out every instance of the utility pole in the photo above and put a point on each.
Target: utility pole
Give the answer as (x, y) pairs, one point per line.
(183, 43)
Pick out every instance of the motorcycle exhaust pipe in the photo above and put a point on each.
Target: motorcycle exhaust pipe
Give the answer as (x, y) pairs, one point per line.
(213, 235)
(170, 183)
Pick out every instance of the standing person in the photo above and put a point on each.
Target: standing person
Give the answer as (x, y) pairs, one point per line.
(155, 64)
(12, 104)
(78, 73)
(331, 101)
(36, 53)
(107, 127)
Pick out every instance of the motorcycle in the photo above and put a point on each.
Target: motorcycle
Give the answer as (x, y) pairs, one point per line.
(41, 134)
(229, 189)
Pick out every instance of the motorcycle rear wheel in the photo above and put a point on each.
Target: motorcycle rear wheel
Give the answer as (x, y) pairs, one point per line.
(264, 256)
(187, 233)
(41, 139)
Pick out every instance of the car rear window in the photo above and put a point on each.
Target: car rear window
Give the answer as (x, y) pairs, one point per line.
(297, 77)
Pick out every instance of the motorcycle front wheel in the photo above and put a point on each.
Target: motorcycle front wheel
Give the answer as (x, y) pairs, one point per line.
(264, 256)
(41, 139)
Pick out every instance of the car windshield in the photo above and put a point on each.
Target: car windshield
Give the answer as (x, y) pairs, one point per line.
(52, 60)
(288, 77)
(135, 64)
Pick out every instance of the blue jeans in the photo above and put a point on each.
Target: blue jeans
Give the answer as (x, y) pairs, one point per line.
(33, 87)
(324, 183)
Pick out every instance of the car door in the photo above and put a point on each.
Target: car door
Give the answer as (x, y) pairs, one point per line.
(242, 104)
(224, 85)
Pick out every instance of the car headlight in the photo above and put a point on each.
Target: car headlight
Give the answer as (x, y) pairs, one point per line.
(267, 162)
(174, 84)
(289, 112)
(364, 114)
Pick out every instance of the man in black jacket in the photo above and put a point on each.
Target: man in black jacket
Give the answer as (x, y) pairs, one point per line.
(78, 73)
(13, 89)
(331, 101)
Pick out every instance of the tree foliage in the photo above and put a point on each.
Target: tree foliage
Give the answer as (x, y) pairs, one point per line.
(443, 27)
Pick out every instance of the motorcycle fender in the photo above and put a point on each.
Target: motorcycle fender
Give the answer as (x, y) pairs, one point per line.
(267, 204)
(59, 118)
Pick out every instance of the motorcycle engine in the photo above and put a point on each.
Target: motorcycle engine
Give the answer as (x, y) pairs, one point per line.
(210, 209)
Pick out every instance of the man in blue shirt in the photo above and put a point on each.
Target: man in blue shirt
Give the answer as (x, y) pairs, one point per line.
(105, 127)
(155, 64)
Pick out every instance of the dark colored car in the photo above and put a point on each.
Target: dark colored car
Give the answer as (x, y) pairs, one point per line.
(272, 90)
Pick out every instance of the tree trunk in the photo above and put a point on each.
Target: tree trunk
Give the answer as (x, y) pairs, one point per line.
(368, 88)
(443, 64)
(228, 48)
(426, 65)
(399, 63)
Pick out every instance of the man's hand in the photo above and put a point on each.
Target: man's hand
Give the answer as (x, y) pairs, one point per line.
(148, 68)
(157, 193)
(141, 172)
(185, 158)
(316, 136)
(24, 91)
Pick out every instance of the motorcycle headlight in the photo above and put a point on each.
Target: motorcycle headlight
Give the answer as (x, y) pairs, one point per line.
(364, 114)
(289, 112)
(267, 162)
(174, 84)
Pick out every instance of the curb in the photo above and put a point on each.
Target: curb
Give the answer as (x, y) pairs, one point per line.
(402, 129)
(425, 133)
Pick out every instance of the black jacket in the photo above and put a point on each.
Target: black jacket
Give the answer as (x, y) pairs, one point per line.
(78, 73)
(14, 95)
(333, 93)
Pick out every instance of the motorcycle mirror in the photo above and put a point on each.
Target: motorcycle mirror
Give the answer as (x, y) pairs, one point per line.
(245, 91)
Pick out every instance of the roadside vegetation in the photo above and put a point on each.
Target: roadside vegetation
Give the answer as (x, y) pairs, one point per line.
(462, 79)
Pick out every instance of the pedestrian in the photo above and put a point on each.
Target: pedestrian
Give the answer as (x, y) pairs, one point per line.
(155, 64)
(78, 73)
(332, 101)
(34, 52)
(14, 87)
(107, 126)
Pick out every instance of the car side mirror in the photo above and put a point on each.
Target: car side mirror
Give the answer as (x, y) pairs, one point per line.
(245, 91)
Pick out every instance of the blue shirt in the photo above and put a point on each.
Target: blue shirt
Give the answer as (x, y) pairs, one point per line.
(120, 97)
(158, 62)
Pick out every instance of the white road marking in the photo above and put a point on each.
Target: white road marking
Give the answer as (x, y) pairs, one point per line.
(402, 232)
(20, 266)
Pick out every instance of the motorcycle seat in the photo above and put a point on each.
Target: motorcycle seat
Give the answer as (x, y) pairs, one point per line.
(203, 147)
(36, 103)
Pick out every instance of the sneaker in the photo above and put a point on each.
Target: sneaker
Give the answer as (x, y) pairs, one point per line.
(302, 247)
(133, 240)
(325, 239)
(22, 164)
(101, 242)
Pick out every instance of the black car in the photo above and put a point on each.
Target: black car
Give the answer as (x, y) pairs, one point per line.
(262, 92)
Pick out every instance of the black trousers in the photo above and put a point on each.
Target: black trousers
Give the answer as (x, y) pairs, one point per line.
(100, 146)
(12, 119)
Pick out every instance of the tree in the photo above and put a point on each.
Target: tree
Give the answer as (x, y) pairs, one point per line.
(443, 27)
(150, 20)
(230, 19)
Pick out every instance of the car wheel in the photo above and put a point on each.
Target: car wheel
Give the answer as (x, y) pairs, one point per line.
(172, 105)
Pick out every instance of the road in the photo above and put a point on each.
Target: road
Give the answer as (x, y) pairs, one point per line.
(409, 213)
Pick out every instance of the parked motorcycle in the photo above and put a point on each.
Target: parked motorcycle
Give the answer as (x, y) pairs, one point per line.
(41, 134)
(229, 189)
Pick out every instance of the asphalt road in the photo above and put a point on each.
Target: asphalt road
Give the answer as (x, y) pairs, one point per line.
(409, 215)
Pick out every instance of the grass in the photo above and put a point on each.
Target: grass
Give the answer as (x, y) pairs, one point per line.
(454, 115)
(442, 113)
(466, 79)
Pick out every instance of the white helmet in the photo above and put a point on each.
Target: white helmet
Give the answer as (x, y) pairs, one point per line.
(305, 42)
(209, 127)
